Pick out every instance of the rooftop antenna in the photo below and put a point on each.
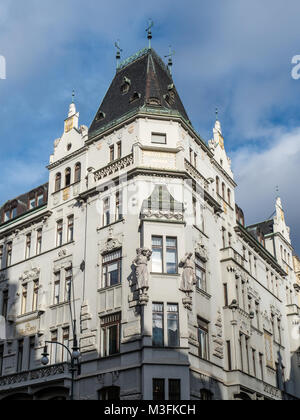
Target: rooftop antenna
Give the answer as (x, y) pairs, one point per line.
(73, 96)
(150, 26)
(170, 61)
(118, 54)
(217, 114)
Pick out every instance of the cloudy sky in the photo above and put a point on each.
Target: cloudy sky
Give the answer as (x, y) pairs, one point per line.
(232, 54)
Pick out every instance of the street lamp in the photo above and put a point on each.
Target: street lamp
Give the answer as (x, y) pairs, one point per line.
(74, 359)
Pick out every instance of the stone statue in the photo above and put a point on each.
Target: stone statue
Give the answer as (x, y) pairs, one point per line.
(188, 275)
(141, 270)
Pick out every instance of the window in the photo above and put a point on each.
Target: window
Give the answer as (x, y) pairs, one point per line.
(4, 303)
(39, 237)
(10, 212)
(112, 269)
(195, 160)
(31, 353)
(257, 315)
(66, 338)
(229, 362)
(77, 172)
(1, 256)
(67, 177)
(24, 300)
(111, 393)
(223, 190)
(229, 196)
(106, 211)
(224, 237)
(110, 334)
(20, 356)
(158, 138)
(35, 297)
(57, 182)
(1, 359)
(119, 150)
(225, 288)
(173, 325)
(119, 206)
(206, 395)
(174, 390)
(171, 255)
(112, 153)
(203, 339)
(56, 298)
(157, 254)
(261, 365)
(254, 361)
(28, 246)
(158, 324)
(59, 233)
(8, 254)
(36, 199)
(70, 228)
(279, 331)
(195, 210)
(218, 185)
(200, 274)
(247, 354)
(68, 284)
(54, 348)
(158, 386)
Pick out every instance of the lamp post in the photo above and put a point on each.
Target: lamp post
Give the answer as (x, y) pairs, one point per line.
(74, 357)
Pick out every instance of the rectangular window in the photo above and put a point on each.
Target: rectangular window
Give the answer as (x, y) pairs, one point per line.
(158, 138)
(203, 339)
(173, 325)
(54, 347)
(106, 211)
(200, 274)
(257, 315)
(110, 334)
(28, 246)
(4, 304)
(20, 356)
(68, 284)
(40, 199)
(35, 297)
(24, 300)
(171, 255)
(1, 359)
(174, 390)
(112, 153)
(279, 331)
(158, 386)
(119, 150)
(157, 254)
(261, 366)
(39, 235)
(66, 338)
(59, 233)
(70, 228)
(195, 210)
(112, 269)
(254, 361)
(241, 352)
(158, 324)
(1, 257)
(31, 353)
(8, 254)
(224, 237)
(119, 206)
(229, 362)
(195, 160)
(56, 298)
(225, 288)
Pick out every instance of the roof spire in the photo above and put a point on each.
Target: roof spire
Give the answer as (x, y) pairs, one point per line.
(118, 53)
(148, 29)
(72, 107)
(217, 114)
(170, 61)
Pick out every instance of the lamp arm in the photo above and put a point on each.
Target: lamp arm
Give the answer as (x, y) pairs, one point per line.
(60, 344)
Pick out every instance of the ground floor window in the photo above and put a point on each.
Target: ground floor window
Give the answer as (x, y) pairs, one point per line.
(174, 390)
(111, 393)
(206, 395)
(158, 389)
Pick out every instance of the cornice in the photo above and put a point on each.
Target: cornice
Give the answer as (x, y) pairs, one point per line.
(66, 158)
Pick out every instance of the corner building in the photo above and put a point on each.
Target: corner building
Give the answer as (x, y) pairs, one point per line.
(140, 196)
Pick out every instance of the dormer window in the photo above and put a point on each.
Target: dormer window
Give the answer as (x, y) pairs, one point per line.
(135, 97)
(10, 212)
(100, 116)
(36, 199)
(125, 85)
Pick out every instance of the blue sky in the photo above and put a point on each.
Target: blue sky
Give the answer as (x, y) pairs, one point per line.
(235, 55)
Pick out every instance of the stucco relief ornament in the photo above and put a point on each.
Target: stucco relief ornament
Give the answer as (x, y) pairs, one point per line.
(142, 273)
(188, 279)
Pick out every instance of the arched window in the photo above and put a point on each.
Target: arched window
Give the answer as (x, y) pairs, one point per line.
(218, 185)
(77, 175)
(229, 196)
(68, 177)
(223, 190)
(57, 182)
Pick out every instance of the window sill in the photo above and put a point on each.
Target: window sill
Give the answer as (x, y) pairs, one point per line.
(60, 304)
(69, 186)
(110, 224)
(203, 293)
(115, 286)
(165, 274)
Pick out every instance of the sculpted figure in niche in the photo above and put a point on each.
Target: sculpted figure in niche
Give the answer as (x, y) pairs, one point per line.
(188, 275)
(141, 268)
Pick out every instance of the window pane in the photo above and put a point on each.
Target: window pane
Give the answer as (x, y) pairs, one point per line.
(159, 138)
(174, 390)
(112, 339)
(157, 261)
(158, 389)
(157, 325)
(171, 258)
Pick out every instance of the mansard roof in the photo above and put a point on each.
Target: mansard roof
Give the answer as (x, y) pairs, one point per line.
(21, 203)
(143, 80)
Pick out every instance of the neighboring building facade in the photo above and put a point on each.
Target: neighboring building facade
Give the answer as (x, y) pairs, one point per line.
(138, 233)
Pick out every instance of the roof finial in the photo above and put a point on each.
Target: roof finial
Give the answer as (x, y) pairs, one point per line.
(118, 54)
(277, 191)
(170, 61)
(73, 95)
(148, 29)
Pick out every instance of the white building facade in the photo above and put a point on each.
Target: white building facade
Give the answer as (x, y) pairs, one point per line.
(138, 238)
